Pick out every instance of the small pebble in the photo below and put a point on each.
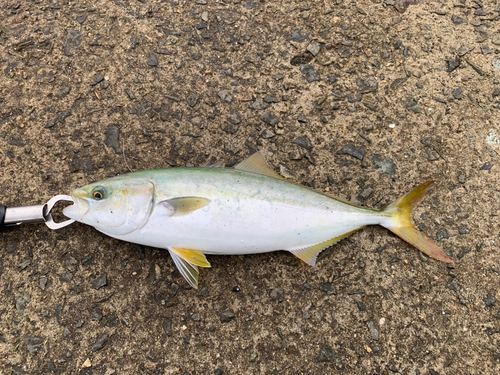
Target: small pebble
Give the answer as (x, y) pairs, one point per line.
(326, 354)
(464, 230)
(328, 288)
(100, 342)
(303, 142)
(100, 282)
(374, 331)
(489, 301)
(314, 48)
(227, 316)
(310, 73)
(153, 60)
(277, 294)
(270, 119)
(225, 96)
(351, 150)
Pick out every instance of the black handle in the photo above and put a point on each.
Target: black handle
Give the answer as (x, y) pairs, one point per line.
(2, 216)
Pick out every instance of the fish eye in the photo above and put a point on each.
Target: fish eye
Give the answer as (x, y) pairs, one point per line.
(98, 193)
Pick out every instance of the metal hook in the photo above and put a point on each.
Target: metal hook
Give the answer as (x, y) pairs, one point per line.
(48, 207)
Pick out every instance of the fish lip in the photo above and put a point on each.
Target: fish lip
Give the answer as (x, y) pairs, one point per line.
(80, 206)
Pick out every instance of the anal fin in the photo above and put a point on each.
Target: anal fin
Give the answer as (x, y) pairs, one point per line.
(195, 257)
(187, 262)
(310, 254)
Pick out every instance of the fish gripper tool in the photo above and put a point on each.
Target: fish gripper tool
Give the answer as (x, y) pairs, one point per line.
(13, 216)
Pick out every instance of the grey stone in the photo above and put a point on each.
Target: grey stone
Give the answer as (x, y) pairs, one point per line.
(270, 119)
(365, 194)
(303, 142)
(328, 288)
(192, 99)
(368, 84)
(305, 314)
(16, 141)
(464, 250)
(464, 230)
(153, 60)
(452, 65)
(398, 82)
(82, 164)
(270, 99)
(487, 166)
(22, 300)
(130, 94)
(314, 48)
(480, 12)
(457, 20)
(22, 266)
(297, 36)
(230, 128)
(63, 115)
(225, 96)
(100, 342)
(442, 234)
(167, 327)
(266, 133)
(258, 105)
(227, 316)
(97, 80)
(277, 294)
(457, 93)
(413, 106)
(73, 40)
(384, 165)
(489, 301)
(196, 317)
(486, 49)
(351, 150)
(310, 73)
(360, 304)
(234, 117)
(326, 354)
(33, 343)
(100, 282)
(374, 331)
(113, 138)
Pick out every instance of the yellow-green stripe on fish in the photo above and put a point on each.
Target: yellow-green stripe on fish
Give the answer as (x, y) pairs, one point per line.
(242, 210)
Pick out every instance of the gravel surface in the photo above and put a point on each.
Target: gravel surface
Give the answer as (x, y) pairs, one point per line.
(365, 100)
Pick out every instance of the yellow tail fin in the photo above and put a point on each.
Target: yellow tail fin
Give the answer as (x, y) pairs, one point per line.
(403, 226)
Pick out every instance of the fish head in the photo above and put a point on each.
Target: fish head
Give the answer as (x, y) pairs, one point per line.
(115, 206)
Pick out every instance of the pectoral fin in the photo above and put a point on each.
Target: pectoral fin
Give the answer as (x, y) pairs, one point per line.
(187, 262)
(310, 254)
(185, 205)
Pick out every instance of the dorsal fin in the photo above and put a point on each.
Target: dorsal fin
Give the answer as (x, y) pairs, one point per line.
(256, 163)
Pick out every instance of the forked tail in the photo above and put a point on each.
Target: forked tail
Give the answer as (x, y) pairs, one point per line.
(403, 226)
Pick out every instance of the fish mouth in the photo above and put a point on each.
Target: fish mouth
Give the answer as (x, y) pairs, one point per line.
(79, 208)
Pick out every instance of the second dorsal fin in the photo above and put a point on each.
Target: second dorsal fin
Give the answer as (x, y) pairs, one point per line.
(256, 163)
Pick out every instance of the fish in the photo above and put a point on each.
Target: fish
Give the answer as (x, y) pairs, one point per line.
(197, 211)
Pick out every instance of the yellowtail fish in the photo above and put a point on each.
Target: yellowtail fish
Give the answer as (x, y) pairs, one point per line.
(247, 209)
